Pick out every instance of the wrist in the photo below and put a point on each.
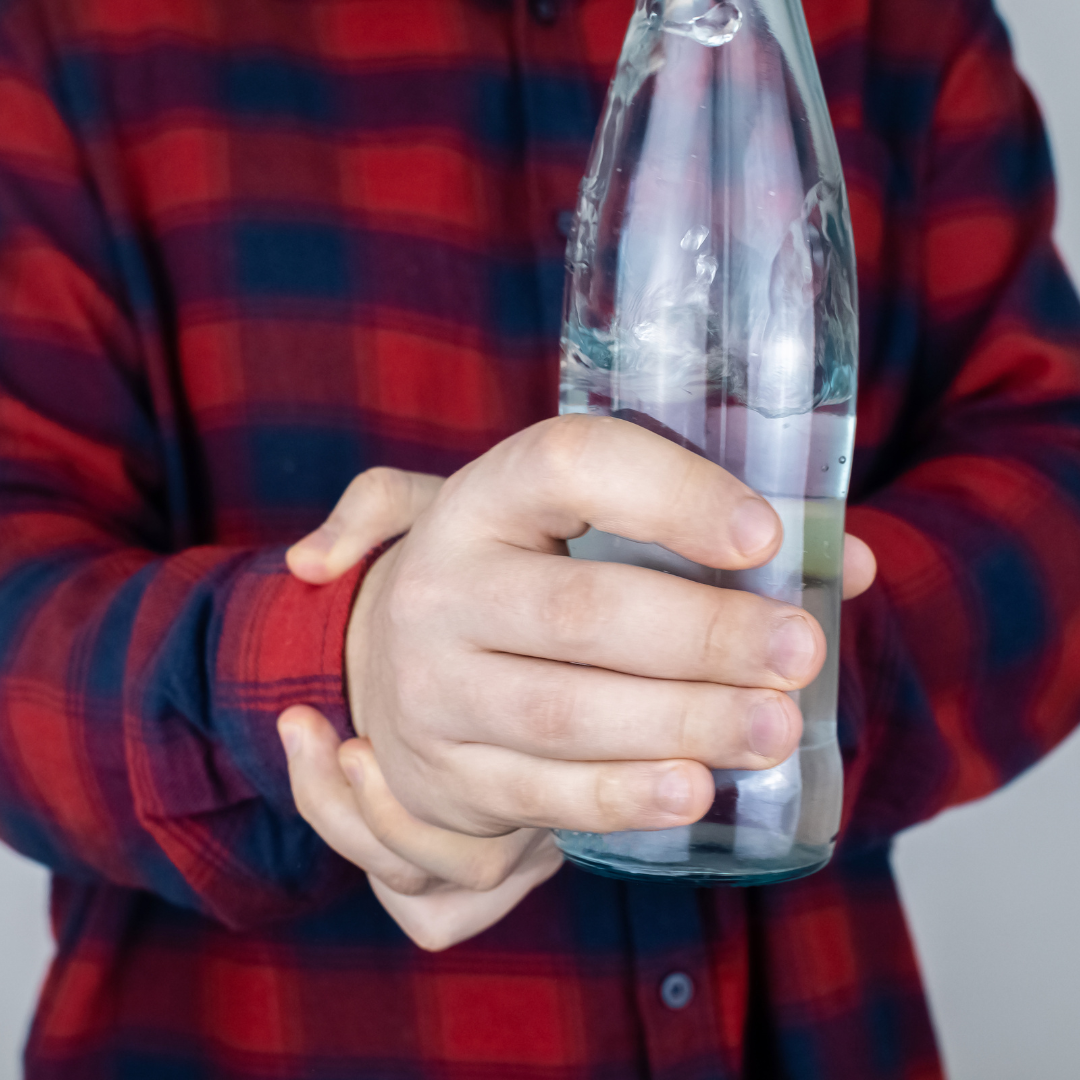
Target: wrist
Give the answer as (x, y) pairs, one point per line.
(377, 565)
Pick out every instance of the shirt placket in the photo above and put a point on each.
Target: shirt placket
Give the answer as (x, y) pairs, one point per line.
(678, 998)
(560, 114)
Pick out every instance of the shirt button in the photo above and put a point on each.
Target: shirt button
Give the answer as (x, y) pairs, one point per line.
(564, 222)
(544, 11)
(677, 990)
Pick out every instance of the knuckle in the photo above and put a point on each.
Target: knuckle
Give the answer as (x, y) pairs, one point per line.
(688, 485)
(411, 788)
(485, 872)
(437, 797)
(549, 710)
(715, 642)
(484, 805)
(571, 611)
(686, 729)
(560, 444)
(495, 814)
(382, 487)
(733, 626)
(449, 490)
(378, 827)
(609, 794)
(420, 727)
(708, 726)
(414, 595)
(503, 808)
(407, 880)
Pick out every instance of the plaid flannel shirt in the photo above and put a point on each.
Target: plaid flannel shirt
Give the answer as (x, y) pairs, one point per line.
(249, 248)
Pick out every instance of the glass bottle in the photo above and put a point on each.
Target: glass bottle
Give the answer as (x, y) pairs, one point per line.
(711, 297)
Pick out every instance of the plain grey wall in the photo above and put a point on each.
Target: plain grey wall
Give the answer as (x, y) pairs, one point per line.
(992, 890)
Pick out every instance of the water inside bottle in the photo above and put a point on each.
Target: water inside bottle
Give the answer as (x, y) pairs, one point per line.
(778, 823)
(773, 325)
(763, 826)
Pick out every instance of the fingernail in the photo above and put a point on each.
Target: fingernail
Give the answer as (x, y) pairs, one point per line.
(769, 729)
(292, 739)
(753, 526)
(792, 648)
(673, 792)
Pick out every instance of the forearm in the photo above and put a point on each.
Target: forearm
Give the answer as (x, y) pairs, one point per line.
(138, 700)
(959, 665)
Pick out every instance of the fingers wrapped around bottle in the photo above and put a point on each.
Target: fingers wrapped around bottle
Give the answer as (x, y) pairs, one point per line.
(502, 687)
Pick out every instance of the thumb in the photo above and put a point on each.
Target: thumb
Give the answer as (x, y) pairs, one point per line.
(378, 504)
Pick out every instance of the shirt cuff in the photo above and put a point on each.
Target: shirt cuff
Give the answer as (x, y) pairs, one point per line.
(282, 643)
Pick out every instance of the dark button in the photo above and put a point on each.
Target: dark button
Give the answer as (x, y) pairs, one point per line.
(564, 222)
(544, 11)
(677, 990)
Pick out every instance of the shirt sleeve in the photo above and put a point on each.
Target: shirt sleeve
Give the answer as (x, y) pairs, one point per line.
(140, 676)
(961, 666)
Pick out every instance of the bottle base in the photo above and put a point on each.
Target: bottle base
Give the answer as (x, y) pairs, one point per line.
(697, 877)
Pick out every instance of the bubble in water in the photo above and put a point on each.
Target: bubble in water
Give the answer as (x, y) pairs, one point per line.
(824, 468)
(718, 25)
(843, 461)
(694, 238)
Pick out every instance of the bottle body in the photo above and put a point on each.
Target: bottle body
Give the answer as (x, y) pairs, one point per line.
(711, 298)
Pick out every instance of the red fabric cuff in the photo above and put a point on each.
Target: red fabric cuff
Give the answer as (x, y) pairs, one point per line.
(283, 642)
(296, 649)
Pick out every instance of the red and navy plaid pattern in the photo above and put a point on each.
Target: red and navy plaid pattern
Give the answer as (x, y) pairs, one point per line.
(250, 248)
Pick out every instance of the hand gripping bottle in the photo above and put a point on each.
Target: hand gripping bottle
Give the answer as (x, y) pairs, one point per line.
(711, 297)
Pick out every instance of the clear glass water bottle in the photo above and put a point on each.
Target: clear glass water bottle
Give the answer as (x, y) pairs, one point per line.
(711, 297)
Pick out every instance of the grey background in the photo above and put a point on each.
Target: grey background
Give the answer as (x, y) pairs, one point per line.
(992, 890)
